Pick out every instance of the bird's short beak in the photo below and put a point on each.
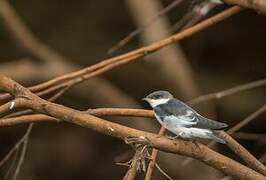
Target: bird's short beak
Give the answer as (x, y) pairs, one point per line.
(145, 99)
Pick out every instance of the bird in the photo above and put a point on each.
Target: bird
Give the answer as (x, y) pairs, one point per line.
(180, 119)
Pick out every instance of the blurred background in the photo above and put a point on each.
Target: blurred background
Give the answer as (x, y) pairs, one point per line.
(220, 57)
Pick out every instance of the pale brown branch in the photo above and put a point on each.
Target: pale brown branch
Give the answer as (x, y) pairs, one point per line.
(183, 147)
(52, 60)
(9, 106)
(239, 150)
(142, 113)
(121, 112)
(106, 65)
(10, 121)
(153, 158)
(227, 92)
(236, 127)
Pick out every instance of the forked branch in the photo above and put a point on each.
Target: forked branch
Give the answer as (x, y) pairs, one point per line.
(183, 147)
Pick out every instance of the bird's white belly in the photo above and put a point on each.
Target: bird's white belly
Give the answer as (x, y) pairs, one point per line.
(173, 121)
(177, 126)
(191, 132)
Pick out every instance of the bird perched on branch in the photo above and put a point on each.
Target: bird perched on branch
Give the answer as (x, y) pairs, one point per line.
(182, 120)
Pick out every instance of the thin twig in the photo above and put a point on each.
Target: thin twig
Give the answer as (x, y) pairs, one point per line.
(12, 164)
(153, 158)
(233, 90)
(16, 146)
(23, 152)
(106, 65)
(57, 64)
(195, 14)
(257, 5)
(134, 33)
(163, 172)
(23, 141)
(247, 120)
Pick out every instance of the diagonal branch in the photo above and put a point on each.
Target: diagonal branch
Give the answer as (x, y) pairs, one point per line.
(106, 65)
(238, 149)
(236, 127)
(233, 90)
(153, 158)
(183, 147)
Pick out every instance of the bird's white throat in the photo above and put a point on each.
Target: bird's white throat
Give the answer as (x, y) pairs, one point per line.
(156, 102)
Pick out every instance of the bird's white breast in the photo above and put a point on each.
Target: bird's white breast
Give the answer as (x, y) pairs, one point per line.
(156, 102)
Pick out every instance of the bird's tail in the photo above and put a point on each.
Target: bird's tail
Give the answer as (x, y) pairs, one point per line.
(206, 123)
(215, 137)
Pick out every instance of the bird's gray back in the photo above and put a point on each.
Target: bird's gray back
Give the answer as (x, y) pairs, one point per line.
(172, 107)
(177, 108)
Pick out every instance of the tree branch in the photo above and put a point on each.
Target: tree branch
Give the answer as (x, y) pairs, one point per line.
(227, 92)
(183, 147)
(99, 68)
(236, 127)
(250, 160)
(153, 158)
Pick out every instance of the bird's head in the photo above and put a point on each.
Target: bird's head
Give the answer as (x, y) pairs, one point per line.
(158, 97)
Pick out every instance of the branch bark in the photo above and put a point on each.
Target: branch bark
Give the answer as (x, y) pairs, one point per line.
(183, 147)
(250, 160)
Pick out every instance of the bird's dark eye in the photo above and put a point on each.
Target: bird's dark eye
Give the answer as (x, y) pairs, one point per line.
(157, 96)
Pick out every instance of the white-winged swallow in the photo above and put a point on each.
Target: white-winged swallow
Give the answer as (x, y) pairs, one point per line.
(182, 120)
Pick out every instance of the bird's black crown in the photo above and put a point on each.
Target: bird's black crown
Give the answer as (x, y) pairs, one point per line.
(160, 95)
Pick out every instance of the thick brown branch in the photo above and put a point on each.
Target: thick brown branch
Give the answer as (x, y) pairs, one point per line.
(183, 147)
(237, 148)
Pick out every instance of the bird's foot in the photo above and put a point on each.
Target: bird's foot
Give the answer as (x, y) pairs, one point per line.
(172, 137)
(196, 143)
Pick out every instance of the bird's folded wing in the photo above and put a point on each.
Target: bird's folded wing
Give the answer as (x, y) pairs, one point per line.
(205, 123)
